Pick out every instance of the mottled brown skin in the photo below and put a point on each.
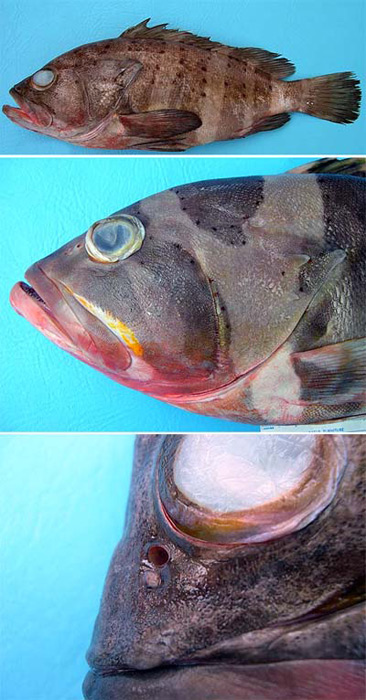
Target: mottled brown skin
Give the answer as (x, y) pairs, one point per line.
(293, 599)
(161, 89)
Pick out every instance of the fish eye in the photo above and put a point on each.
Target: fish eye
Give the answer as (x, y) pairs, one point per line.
(114, 239)
(246, 489)
(43, 78)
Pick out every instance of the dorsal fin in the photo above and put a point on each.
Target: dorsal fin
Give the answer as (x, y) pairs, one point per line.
(265, 60)
(333, 166)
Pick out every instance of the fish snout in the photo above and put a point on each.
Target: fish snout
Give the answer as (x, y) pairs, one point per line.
(149, 650)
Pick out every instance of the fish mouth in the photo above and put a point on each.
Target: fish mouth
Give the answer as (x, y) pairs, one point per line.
(286, 680)
(47, 306)
(28, 114)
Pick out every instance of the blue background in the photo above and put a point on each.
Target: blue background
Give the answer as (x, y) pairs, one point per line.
(45, 202)
(319, 36)
(62, 502)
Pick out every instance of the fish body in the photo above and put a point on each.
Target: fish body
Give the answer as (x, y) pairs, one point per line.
(244, 299)
(292, 604)
(160, 89)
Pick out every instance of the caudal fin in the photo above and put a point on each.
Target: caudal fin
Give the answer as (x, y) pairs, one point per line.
(335, 97)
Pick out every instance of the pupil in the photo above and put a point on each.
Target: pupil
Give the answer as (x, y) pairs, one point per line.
(111, 237)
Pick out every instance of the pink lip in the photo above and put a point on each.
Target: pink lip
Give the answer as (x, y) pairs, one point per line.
(27, 114)
(45, 307)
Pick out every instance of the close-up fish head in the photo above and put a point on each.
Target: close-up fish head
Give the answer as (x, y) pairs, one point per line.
(205, 294)
(210, 573)
(132, 299)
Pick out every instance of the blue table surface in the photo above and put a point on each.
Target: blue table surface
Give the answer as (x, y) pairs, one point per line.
(62, 501)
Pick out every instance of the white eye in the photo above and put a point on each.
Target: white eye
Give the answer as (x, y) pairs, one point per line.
(231, 473)
(43, 78)
(115, 238)
(250, 488)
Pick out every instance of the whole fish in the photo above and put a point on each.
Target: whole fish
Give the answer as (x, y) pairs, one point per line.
(251, 587)
(241, 298)
(168, 90)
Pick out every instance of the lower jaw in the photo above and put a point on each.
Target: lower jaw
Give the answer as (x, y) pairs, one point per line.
(318, 679)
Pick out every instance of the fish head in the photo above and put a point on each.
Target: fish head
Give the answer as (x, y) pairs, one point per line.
(200, 578)
(72, 94)
(132, 302)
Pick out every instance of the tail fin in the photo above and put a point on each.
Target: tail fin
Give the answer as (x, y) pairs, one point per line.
(335, 97)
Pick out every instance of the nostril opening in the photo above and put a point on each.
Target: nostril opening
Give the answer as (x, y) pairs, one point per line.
(157, 555)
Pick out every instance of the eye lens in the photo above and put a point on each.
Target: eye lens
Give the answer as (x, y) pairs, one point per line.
(226, 474)
(242, 489)
(157, 555)
(111, 237)
(43, 78)
(114, 239)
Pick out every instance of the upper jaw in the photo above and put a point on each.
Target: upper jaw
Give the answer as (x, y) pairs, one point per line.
(28, 114)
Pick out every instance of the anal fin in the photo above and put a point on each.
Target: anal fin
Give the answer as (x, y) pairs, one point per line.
(270, 123)
(333, 374)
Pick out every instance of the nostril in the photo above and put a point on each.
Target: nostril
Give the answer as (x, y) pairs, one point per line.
(158, 555)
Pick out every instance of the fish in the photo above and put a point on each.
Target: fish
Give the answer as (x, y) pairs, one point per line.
(161, 89)
(241, 299)
(206, 600)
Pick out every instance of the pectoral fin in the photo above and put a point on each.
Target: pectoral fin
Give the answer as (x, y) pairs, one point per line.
(334, 374)
(161, 124)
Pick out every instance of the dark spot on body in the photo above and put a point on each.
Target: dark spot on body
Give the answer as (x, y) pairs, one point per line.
(150, 238)
(301, 289)
(204, 81)
(226, 83)
(192, 261)
(283, 273)
(243, 242)
(157, 67)
(179, 75)
(214, 228)
(204, 69)
(181, 62)
(203, 94)
(107, 46)
(198, 222)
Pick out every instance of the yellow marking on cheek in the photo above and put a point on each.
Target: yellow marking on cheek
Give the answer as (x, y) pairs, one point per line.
(117, 327)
